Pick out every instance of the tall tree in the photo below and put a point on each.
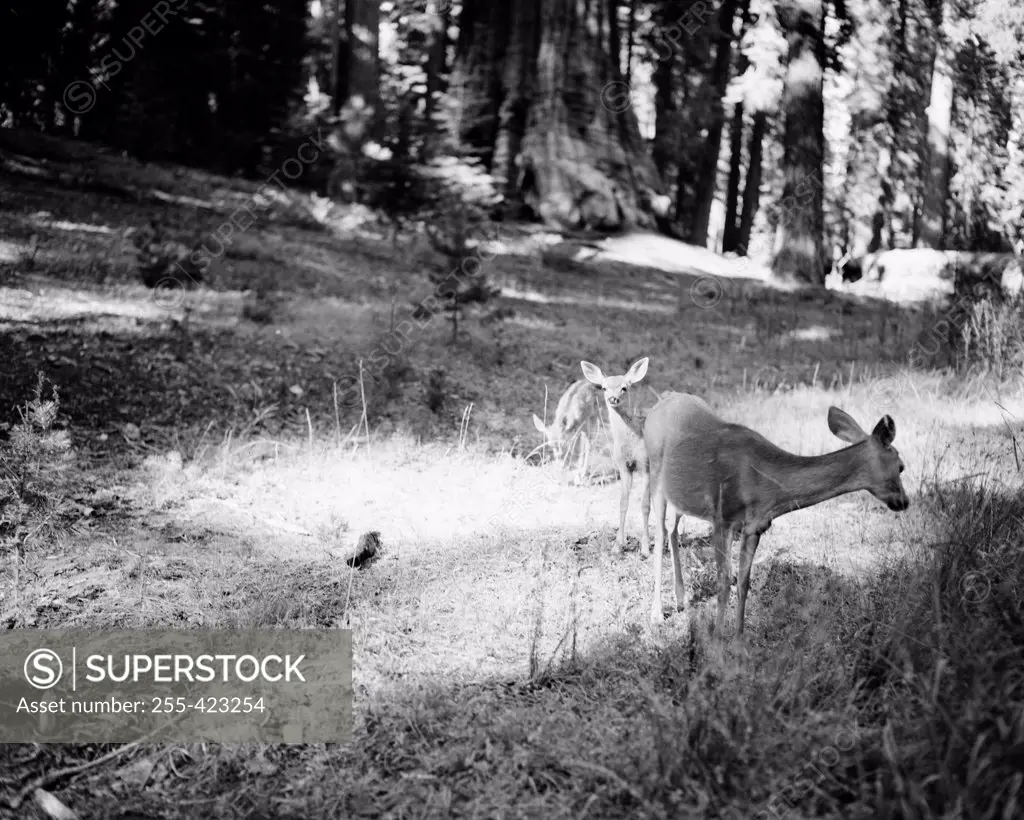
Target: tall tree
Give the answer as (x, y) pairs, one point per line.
(730, 233)
(439, 12)
(799, 246)
(630, 39)
(931, 228)
(752, 184)
(707, 171)
(518, 83)
(580, 160)
(359, 61)
(865, 193)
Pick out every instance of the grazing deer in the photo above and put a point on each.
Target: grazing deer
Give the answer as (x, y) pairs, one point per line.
(726, 473)
(576, 417)
(628, 452)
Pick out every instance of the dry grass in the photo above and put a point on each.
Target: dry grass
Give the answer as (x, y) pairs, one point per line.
(503, 663)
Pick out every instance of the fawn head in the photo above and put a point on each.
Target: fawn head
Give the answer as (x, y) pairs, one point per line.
(615, 387)
(882, 460)
(553, 434)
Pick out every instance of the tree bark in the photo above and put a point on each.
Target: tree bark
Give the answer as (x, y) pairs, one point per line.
(707, 171)
(580, 160)
(731, 231)
(799, 246)
(339, 39)
(477, 80)
(752, 186)
(518, 81)
(630, 38)
(666, 129)
(931, 228)
(360, 58)
(437, 55)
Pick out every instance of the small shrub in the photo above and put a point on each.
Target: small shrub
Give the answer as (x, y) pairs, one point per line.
(166, 263)
(384, 387)
(436, 390)
(35, 507)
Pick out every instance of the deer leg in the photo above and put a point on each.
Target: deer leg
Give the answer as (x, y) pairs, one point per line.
(626, 483)
(722, 539)
(659, 548)
(747, 551)
(673, 542)
(645, 513)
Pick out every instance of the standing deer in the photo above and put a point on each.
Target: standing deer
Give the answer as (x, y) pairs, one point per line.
(576, 417)
(628, 452)
(726, 473)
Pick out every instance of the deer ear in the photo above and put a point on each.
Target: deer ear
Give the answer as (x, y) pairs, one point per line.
(637, 371)
(592, 373)
(844, 427)
(885, 430)
(539, 425)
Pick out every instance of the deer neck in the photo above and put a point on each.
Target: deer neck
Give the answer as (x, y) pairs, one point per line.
(620, 417)
(803, 481)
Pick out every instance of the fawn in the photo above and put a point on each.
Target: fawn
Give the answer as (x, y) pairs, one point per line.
(577, 416)
(628, 451)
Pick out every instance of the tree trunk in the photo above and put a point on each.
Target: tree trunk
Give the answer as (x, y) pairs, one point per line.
(518, 81)
(74, 61)
(581, 161)
(630, 38)
(478, 80)
(931, 229)
(799, 247)
(752, 186)
(339, 37)
(437, 62)
(666, 134)
(732, 195)
(361, 82)
(686, 171)
(866, 188)
(707, 172)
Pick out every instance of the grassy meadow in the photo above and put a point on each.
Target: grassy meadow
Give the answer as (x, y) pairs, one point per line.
(226, 458)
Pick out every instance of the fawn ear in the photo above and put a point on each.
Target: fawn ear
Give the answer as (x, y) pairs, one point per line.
(637, 371)
(539, 425)
(592, 373)
(885, 430)
(843, 426)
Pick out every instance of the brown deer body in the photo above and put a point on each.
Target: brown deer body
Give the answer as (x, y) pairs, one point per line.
(704, 466)
(628, 451)
(577, 416)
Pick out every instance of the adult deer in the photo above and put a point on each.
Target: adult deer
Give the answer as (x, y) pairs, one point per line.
(576, 417)
(726, 473)
(628, 451)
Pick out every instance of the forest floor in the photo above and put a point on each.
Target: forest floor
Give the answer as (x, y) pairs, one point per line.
(503, 662)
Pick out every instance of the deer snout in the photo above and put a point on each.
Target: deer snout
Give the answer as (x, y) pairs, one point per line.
(898, 503)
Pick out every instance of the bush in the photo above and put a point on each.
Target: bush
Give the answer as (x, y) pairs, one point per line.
(35, 507)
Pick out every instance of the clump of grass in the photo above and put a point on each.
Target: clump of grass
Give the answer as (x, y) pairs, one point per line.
(940, 664)
(992, 337)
